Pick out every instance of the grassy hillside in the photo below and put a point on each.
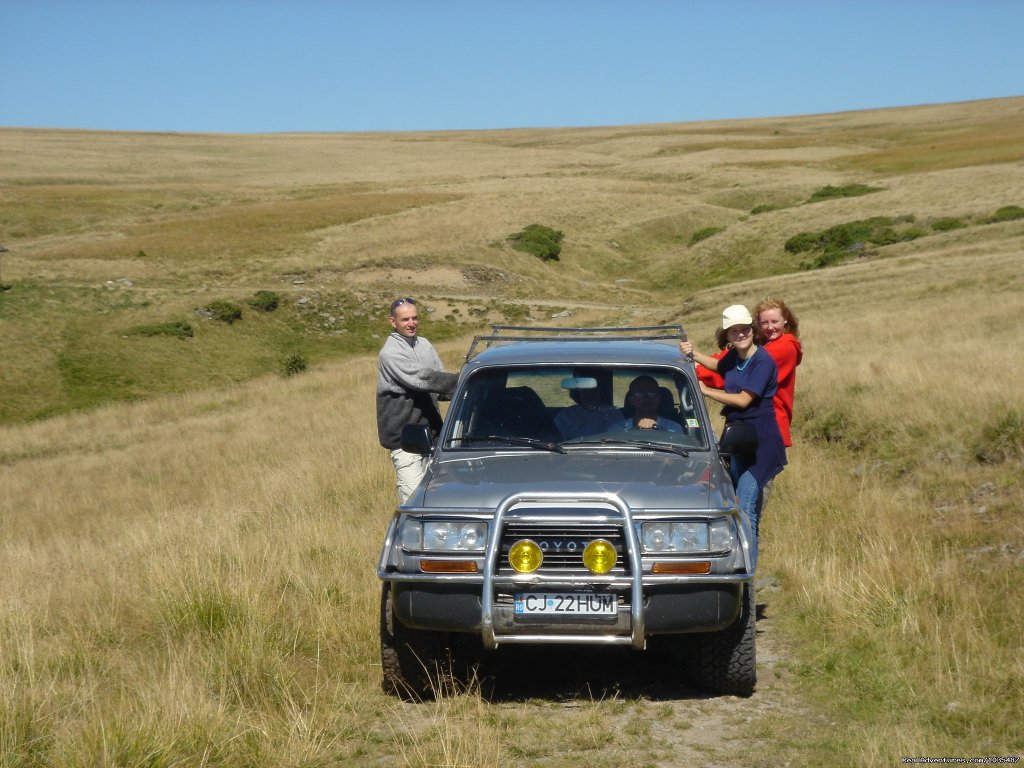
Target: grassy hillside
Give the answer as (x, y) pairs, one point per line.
(189, 576)
(111, 234)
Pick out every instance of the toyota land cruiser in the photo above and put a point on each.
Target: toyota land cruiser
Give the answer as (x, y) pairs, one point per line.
(547, 516)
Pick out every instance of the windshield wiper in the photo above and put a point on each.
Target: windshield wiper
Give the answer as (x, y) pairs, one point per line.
(653, 445)
(530, 442)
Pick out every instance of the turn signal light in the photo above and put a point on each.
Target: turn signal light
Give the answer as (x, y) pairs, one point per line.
(691, 567)
(448, 566)
(525, 556)
(599, 556)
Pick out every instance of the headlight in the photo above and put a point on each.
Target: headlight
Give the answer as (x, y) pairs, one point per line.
(721, 538)
(690, 537)
(443, 535)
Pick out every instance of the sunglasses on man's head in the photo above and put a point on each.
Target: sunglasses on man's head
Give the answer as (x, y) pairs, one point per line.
(399, 302)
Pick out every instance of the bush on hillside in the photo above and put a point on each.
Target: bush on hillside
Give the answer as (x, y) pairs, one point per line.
(1007, 213)
(849, 190)
(805, 241)
(179, 329)
(852, 237)
(225, 311)
(947, 224)
(265, 301)
(294, 364)
(704, 234)
(539, 240)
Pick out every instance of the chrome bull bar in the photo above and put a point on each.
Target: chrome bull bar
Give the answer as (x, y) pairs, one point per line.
(618, 510)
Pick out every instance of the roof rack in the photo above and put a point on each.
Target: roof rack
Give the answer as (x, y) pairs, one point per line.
(517, 333)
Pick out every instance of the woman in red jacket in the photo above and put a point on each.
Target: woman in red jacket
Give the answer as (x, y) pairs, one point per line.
(778, 331)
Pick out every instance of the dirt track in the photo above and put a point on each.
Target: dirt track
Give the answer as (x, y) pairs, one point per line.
(674, 725)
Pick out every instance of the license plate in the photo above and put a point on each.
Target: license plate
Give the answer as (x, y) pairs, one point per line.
(565, 603)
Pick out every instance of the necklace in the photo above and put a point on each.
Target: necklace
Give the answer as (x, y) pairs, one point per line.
(745, 363)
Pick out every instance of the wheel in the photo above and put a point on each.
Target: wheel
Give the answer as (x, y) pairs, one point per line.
(416, 663)
(727, 660)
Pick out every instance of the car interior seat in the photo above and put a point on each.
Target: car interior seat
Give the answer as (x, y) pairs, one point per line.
(516, 412)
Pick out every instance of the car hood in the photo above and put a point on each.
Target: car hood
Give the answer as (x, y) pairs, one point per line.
(643, 479)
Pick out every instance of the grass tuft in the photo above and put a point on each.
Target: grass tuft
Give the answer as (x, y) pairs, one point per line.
(177, 329)
(294, 364)
(1003, 439)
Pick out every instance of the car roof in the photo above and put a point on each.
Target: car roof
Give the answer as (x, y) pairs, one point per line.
(574, 352)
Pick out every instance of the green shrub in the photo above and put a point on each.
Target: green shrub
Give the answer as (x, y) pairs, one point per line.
(825, 259)
(179, 329)
(224, 311)
(912, 233)
(295, 363)
(852, 237)
(947, 224)
(704, 234)
(1007, 213)
(885, 236)
(538, 240)
(1002, 440)
(850, 190)
(265, 301)
(805, 241)
(828, 426)
(890, 235)
(763, 208)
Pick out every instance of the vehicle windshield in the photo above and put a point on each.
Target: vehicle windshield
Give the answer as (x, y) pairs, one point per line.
(523, 408)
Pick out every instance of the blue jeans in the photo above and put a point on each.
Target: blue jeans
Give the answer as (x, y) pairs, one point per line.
(749, 494)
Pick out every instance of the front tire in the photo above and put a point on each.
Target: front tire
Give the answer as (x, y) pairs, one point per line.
(726, 661)
(415, 663)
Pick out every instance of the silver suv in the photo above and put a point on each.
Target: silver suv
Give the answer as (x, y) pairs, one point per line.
(548, 516)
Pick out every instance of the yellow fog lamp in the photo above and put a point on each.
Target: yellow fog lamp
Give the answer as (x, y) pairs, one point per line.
(525, 556)
(599, 556)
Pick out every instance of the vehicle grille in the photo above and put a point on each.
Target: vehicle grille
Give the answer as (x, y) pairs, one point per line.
(563, 544)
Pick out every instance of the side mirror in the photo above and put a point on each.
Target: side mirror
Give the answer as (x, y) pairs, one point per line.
(416, 438)
(738, 438)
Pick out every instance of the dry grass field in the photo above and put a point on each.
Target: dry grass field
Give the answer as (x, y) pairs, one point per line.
(190, 537)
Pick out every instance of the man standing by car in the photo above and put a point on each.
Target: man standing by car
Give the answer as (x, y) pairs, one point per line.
(410, 379)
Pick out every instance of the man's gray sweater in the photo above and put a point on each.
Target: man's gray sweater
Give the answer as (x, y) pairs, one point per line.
(410, 377)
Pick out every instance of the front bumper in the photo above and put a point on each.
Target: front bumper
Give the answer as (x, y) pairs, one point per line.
(666, 609)
(647, 603)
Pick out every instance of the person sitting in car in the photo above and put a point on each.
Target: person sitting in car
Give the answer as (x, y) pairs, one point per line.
(643, 397)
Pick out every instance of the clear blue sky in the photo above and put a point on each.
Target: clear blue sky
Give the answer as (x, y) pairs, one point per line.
(366, 65)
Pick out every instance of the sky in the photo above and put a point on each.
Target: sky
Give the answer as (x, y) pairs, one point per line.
(257, 66)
